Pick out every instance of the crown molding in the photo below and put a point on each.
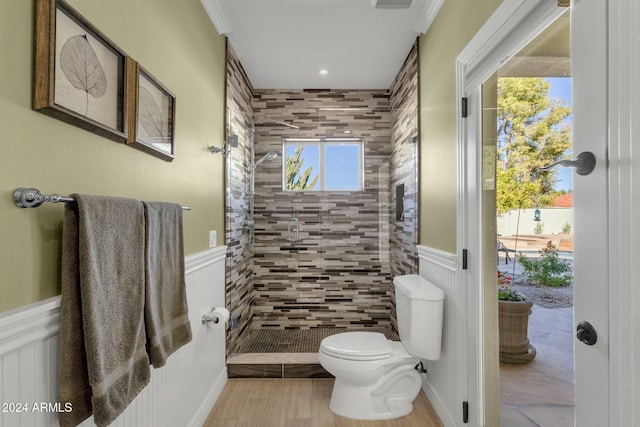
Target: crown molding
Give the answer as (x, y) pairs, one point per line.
(427, 15)
(217, 16)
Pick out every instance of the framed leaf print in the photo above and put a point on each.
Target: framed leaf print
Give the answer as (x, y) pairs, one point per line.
(153, 124)
(79, 74)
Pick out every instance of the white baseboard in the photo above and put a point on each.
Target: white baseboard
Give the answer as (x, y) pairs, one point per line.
(438, 404)
(207, 405)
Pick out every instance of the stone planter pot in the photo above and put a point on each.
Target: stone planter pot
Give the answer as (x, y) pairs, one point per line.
(513, 318)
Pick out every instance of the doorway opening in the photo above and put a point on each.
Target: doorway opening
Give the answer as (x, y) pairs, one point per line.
(526, 122)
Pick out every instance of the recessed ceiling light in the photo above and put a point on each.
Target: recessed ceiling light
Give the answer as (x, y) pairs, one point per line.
(347, 131)
(323, 72)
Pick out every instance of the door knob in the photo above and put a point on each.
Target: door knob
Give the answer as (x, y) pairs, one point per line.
(586, 333)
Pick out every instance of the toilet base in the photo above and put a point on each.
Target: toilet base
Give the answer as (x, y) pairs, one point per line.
(390, 398)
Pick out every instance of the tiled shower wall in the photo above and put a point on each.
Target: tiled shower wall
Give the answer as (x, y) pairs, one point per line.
(404, 170)
(239, 263)
(338, 274)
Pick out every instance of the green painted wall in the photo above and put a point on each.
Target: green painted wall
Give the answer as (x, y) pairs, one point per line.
(456, 23)
(177, 43)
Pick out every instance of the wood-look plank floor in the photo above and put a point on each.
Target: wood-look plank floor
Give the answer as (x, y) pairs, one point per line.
(297, 403)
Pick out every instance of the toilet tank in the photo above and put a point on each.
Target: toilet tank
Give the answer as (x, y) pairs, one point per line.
(419, 307)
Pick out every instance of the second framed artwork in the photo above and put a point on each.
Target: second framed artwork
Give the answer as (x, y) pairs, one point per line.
(152, 124)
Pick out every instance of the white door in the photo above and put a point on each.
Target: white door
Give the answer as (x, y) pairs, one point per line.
(513, 25)
(589, 72)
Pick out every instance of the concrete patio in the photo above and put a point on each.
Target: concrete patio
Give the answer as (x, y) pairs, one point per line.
(541, 393)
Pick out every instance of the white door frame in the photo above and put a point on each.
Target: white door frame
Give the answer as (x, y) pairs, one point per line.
(624, 210)
(508, 30)
(502, 35)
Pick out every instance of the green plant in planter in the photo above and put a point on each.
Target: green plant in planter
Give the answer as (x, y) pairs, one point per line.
(548, 270)
(513, 323)
(506, 292)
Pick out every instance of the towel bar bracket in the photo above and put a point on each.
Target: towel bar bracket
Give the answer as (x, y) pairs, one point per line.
(32, 198)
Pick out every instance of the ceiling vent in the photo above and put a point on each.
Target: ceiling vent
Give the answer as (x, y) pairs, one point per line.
(391, 4)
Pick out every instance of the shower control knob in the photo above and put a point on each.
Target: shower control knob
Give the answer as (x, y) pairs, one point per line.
(586, 333)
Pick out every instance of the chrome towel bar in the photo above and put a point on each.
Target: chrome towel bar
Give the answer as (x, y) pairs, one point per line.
(32, 198)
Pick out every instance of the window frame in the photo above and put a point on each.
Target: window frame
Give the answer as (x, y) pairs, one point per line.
(322, 143)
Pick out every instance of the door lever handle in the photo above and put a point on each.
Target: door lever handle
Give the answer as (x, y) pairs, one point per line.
(584, 163)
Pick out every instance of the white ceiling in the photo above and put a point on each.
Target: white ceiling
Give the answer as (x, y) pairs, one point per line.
(283, 44)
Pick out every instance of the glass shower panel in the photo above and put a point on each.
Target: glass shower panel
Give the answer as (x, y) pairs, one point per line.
(239, 260)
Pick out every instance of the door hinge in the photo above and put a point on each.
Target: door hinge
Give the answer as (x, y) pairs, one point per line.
(465, 412)
(464, 259)
(463, 107)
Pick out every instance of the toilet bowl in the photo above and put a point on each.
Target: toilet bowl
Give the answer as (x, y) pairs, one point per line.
(375, 377)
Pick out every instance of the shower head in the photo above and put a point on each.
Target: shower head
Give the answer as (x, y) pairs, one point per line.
(269, 156)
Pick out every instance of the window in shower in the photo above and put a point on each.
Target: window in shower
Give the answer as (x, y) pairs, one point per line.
(329, 164)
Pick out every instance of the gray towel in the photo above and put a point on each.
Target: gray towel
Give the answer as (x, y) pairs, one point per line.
(166, 312)
(103, 360)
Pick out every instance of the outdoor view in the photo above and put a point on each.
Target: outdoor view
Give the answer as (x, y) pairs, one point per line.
(535, 240)
(323, 165)
(535, 251)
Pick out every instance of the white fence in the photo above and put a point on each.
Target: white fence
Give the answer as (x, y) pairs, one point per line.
(552, 221)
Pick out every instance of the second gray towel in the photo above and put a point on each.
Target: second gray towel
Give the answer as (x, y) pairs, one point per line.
(166, 312)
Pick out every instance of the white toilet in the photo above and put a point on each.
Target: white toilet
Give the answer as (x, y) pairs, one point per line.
(376, 379)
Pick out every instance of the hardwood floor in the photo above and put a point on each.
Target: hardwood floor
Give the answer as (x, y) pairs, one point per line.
(297, 403)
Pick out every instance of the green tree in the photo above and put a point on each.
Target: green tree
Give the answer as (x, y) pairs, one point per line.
(532, 132)
(295, 180)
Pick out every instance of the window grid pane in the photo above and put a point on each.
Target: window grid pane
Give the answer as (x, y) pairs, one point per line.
(302, 167)
(319, 165)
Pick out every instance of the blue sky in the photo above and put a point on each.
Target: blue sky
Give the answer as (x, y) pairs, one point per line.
(342, 167)
(561, 88)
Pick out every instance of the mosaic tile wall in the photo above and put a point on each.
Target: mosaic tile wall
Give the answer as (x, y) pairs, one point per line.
(338, 274)
(239, 263)
(404, 170)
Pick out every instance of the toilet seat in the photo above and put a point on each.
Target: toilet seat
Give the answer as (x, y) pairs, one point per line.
(357, 346)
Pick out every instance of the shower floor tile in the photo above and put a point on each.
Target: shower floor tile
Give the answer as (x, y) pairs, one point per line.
(299, 340)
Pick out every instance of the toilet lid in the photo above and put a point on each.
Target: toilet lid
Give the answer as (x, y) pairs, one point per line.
(357, 346)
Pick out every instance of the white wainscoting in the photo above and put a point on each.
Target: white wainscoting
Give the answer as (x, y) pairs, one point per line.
(181, 393)
(444, 376)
